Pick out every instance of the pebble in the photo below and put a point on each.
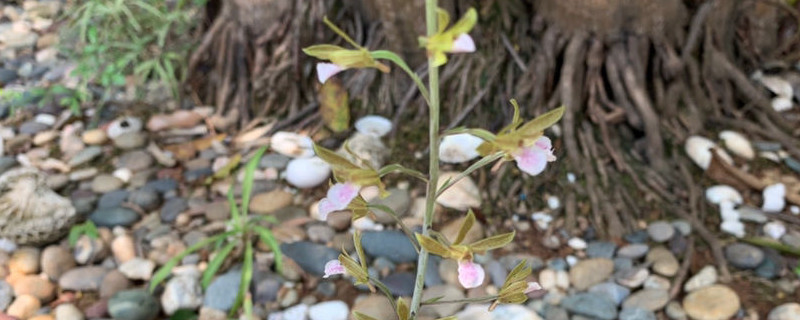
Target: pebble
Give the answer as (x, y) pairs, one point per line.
(113, 282)
(632, 277)
(130, 140)
(398, 200)
(664, 262)
(400, 284)
(138, 269)
(712, 302)
(88, 250)
(555, 313)
(25, 261)
(114, 216)
(68, 311)
(113, 199)
(502, 312)
(462, 195)
(218, 211)
(744, 256)
(320, 233)
(447, 292)
(221, 293)
(133, 305)
(649, 299)
(6, 294)
(683, 227)
(589, 272)
(266, 290)
(638, 236)
(85, 156)
(636, 314)
(24, 307)
(172, 208)
(123, 248)
(633, 251)
(703, 278)
(376, 306)
(656, 282)
(83, 278)
(601, 249)
(771, 266)
(616, 292)
(674, 311)
(393, 245)
(329, 310)
(181, 292)
(94, 137)
(592, 305)
(786, 311)
(660, 231)
(136, 160)
(106, 183)
(271, 201)
(576, 243)
(36, 286)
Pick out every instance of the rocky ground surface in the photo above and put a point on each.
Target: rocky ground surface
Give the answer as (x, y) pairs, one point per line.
(154, 186)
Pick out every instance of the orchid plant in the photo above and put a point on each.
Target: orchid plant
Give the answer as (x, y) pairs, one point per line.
(520, 141)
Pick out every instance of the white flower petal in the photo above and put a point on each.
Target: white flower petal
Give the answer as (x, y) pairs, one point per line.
(463, 43)
(327, 70)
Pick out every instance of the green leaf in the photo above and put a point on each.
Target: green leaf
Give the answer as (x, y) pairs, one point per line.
(432, 245)
(393, 57)
(465, 227)
(493, 242)
(184, 314)
(322, 51)
(247, 184)
(166, 269)
(333, 105)
(359, 250)
(399, 168)
(216, 263)
(247, 275)
(268, 238)
(542, 122)
(360, 316)
(432, 300)
(402, 309)
(234, 208)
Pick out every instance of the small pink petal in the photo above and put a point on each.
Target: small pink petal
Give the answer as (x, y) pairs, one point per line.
(544, 143)
(325, 207)
(327, 70)
(470, 274)
(463, 44)
(342, 193)
(532, 160)
(333, 267)
(532, 286)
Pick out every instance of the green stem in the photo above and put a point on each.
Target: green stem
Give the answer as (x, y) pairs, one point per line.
(465, 300)
(391, 56)
(433, 166)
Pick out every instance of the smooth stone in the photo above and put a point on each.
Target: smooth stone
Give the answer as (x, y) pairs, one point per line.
(432, 277)
(172, 208)
(68, 311)
(311, 257)
(273, 160)
(217, 211)
(137, 269)
(83, 278)
(376, 306)
(497, 272)
(555, 313)
(771, 266)
(114, 216)
(683, 227)
(557, 264)
(400, 284)
(786, 311)
(25, 260)
(636, 314)
(133, 305)
(751, 214)
(589, 272)
(711, 303)
(182, 292)
(674, 311)
(448, 292)
(633, 251)
(113, 199)
(638, 236)
(649, 299)
(267, 289)
(196, 175)
(88, 250)
(35, 286)
(147, 199)
(744, 256)
(664, 262)
(85, 156)
(502, 312)
(398, 201)
(130, 140)
(703, 278)
(222, 291)
(162, 185)
(94, 137)
(622, 263)
(616, 292)
(57, 181)
(329, 310)
(6, 294)
(656, 282)
(7, 163)
(592, 305)
(393, 245)
(24, 307)
(113, 282)
(136, 160)
(601, 249)
(320, 233)
(32, 127)
(632, 277)
(268, 202)
(531, 261)
(660, 231)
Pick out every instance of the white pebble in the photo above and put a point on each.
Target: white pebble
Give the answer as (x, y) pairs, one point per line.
(734, 227)
(781, 104)
(542, 219)
(774, 230)
(699, 150)
(123, 174)
(571, 177)
(728, 212)
(738, 144)
(45, 118)
(459, 148)
(307, 172)
(720, 193)
(372, 125)
(292, 144)
(795, 210)
(553, 202)
(774, 198)
(576, 243)
(571, 260)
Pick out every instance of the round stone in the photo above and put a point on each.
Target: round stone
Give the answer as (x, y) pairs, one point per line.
(712, 303)
(589, 272)
(786, 311)
(660, 231)
(744, 256)
(133, 305)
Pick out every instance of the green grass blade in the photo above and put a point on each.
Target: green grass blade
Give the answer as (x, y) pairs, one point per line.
(166, 269)
(273, 244)
(234, 207)
(216, 263)
(247, 275)
(247, 185)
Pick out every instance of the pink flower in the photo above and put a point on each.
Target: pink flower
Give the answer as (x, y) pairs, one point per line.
(533, 159)
(463, 44)
(532, 286)
(333, 267)
(326, 70)
(470, 274)
(339, 196)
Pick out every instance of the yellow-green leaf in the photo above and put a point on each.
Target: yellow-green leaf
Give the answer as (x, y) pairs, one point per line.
(443, 19)
(332, 158)
(465, 24)
(360, 250)
(432, 245)
(465, 227)
(360, 316)
(402, 309)
(493, 242)
(334, 106)
(542, 122)
(322, 51)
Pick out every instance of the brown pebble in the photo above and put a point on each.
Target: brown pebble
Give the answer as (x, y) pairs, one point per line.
(24, 306)
(34, 285)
